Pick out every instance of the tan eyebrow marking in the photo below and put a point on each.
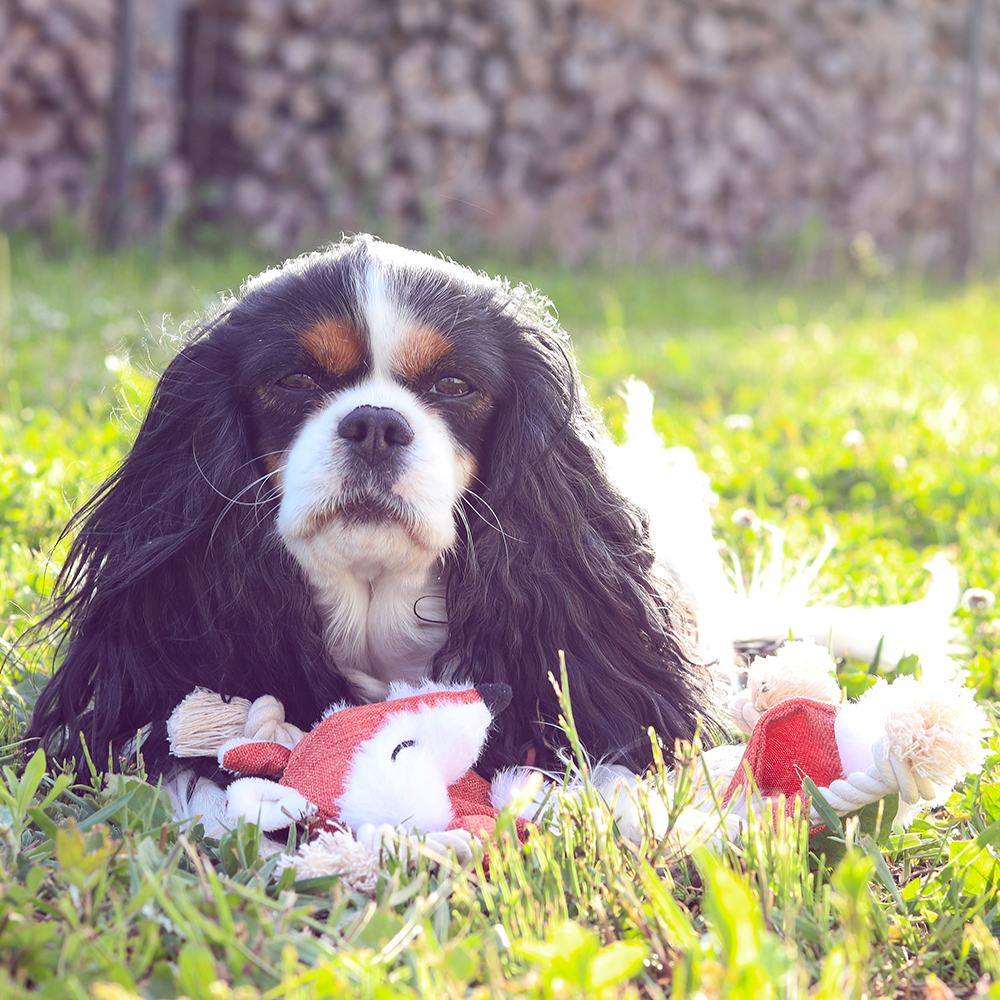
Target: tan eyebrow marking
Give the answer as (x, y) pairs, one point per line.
(334, 343)
(418, 350)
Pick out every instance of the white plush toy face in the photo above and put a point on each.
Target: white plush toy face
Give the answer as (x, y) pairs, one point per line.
(401, 775)
(389, 762)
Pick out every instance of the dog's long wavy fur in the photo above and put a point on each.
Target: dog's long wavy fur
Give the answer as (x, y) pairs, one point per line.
(177, 578)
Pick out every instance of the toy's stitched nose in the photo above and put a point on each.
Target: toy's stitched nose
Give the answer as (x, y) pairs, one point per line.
(375, 432)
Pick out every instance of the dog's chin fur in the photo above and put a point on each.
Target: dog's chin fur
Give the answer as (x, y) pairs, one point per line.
(369, 579)
(372, 465)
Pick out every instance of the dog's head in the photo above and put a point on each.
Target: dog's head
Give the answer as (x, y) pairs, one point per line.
(363, 412)
(370, 376)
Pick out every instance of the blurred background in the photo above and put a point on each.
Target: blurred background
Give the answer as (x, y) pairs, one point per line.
(761, 133)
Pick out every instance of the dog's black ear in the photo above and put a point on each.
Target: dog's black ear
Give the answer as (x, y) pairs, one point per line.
(554, 557)
(174, 578)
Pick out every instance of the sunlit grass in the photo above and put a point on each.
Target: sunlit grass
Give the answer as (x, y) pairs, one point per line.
(871, 408)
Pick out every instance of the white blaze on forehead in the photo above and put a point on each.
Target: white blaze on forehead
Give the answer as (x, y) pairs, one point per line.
(385, 316)
(402, 346)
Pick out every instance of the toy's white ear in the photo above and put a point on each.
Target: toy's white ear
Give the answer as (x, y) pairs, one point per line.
(455, 735)
(272, 806)
(404, 689)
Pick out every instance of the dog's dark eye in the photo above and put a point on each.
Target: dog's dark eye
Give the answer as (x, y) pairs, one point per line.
(405, 743)
(298, 381)
(451, 385)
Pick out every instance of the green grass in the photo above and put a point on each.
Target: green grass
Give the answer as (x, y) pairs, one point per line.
(875, 409)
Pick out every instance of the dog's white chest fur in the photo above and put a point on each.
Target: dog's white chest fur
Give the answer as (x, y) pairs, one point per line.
(383, 622)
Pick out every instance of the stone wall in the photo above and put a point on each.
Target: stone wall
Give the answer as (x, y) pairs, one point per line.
(710, 130)
(57, 62)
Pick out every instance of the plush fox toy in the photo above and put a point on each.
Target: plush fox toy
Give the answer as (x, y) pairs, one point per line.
(911, 738)
(406, 762)
(403, 764)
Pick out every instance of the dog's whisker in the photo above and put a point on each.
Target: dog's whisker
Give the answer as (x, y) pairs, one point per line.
(470, 540)
(496, 527)
(258, 505)
(215, 489)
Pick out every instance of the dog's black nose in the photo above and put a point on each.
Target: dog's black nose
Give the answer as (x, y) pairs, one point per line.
(375, 432)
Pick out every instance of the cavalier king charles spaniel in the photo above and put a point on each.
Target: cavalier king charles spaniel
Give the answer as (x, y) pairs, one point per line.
(372, 465)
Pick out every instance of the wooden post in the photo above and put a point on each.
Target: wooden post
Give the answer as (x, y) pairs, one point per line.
(964, 221)
(120, 133)
(6, 346)
(202, 68)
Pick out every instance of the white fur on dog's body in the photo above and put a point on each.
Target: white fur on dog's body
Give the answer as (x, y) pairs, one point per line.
(669, 485)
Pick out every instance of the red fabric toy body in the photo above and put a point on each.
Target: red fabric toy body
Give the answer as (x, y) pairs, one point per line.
(792, 740)
(404, 762)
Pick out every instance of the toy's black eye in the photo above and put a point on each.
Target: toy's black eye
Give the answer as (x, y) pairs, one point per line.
(451, 385)
(405, 743)
(298, 381)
